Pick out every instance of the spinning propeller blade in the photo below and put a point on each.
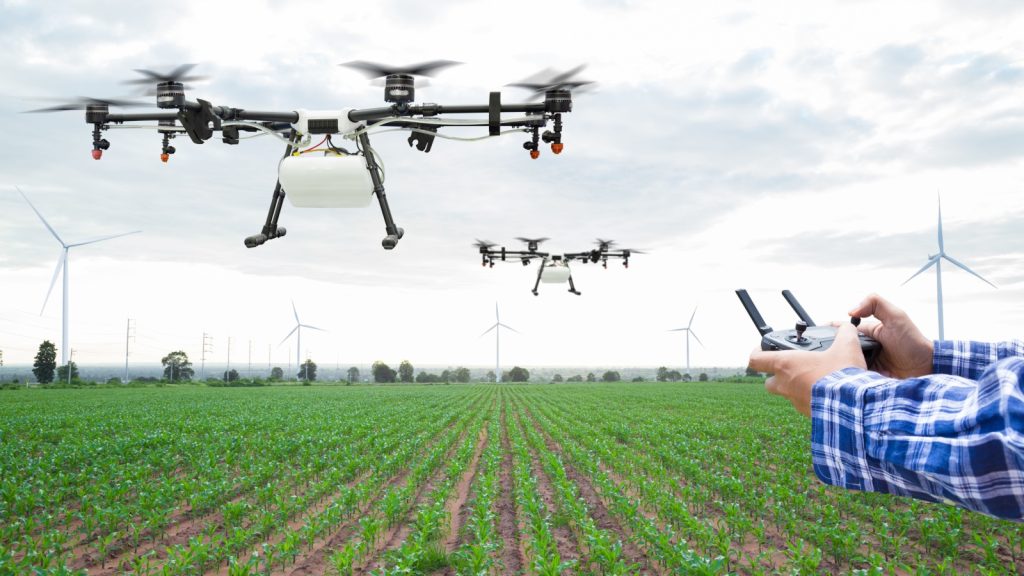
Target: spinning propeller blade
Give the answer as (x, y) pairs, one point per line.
(179, 74)
(375, 70)
(549, 79)
(83, 102)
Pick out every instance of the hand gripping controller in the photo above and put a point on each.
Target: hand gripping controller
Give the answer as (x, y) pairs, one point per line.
(806, 336)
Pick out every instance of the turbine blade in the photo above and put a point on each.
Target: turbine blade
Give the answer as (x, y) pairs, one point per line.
(312, 327)
(690, 323)
(509, 327)
(931, 262)
(496, 319)
(694, 334)
(104, 238)
(964, 267)
(56, 272)
(678, 330)
(45, 223)
(296, 312)
(289, 335)
(488, 330)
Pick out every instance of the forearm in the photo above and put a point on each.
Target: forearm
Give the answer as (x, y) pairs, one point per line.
(938, 438)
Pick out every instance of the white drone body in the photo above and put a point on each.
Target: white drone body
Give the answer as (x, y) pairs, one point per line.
(555, 272)
(326, 179)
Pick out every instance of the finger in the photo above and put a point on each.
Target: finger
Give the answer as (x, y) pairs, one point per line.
(875, 305)
(763, 361)
(848, 343)
(771, 385)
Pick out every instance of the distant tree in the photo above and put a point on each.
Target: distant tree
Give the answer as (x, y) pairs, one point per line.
(557, 378)
(638, 379)
(446, 376)
(46, 362)
(461, 374)
(382, 372)
(703, 377)
(576, 378)
(427, 378)
(177, 368)
(353, 374)
(662, 374)
(307, 371)
(490, 377)
(114, 380)
(687, 377)
(276, 373)
(231, 375)
(752, 372)
(62, 372)
(405, 371)
(591, 377)
(517, 374)
(611, 376)
(673, 376)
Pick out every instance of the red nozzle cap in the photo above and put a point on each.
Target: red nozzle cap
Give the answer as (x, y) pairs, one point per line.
(556, 147)
(534, 154)
(164, 157)
(97, 153)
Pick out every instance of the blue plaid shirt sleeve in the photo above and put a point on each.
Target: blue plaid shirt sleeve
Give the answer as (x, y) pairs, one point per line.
(969, 359)
(941, 438)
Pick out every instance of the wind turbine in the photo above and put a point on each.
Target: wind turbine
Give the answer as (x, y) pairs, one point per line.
(62, 265)
(497, 326)
(936, 261)
(689, 332)
(298, 329)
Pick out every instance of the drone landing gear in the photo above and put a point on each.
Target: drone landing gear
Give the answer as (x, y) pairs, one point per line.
(271, 230)
(394, 233)
(572, 287)
(540, 272)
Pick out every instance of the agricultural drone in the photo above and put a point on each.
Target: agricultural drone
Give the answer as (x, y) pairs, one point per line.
(325, 174)
(554, 268)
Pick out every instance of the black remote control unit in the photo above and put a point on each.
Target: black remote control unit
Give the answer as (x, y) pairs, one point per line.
(806, 336)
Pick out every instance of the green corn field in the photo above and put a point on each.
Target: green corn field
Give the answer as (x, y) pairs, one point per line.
(622, 478)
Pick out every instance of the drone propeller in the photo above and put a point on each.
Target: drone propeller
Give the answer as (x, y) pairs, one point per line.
(548, 79)
(484, 244)
(604, 245)
(374, 70)
(179, 74)
(532, 243)
(84, 102)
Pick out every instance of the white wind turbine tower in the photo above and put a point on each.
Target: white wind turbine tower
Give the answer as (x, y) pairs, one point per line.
(298, 331)
(497, 326)
(62, 266)
(689, 332)
(936, 261)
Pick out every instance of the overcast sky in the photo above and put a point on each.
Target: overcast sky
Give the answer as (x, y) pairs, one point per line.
(765, 145)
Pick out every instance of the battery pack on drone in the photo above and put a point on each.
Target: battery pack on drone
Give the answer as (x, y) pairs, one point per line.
(315, 181)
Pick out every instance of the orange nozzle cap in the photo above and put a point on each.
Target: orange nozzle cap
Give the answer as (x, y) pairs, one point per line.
(165, 157)
(97, 153)
(534, 154)
(556, 147)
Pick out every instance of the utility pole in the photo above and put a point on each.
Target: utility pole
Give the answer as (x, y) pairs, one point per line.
(128, 335)
(207, 347)
(227, 373)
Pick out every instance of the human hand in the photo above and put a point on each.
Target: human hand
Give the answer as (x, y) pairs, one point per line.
(906, 353)
(794, 372)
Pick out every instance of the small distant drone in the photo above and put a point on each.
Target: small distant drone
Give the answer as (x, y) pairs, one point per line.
(326, 175)
(554, 268)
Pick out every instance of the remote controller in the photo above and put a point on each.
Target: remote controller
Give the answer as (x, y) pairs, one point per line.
(806, 335)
